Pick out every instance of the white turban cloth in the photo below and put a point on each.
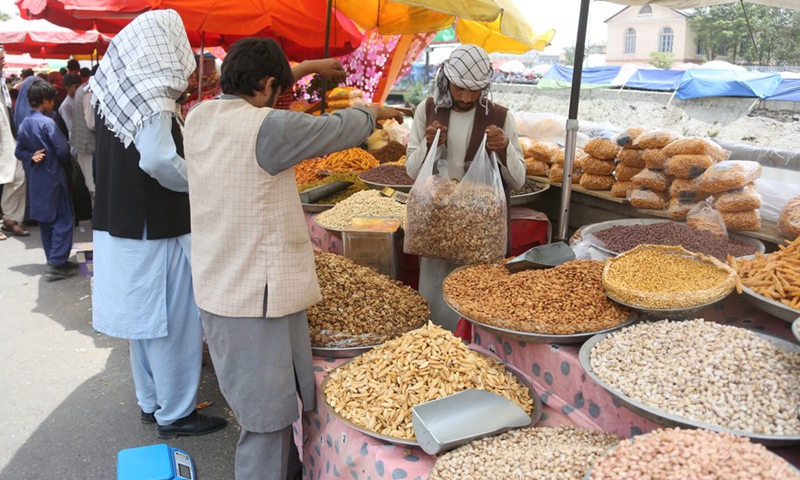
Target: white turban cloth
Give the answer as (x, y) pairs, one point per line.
(467, 67)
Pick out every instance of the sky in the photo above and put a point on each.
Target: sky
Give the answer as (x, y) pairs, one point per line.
(561, 15)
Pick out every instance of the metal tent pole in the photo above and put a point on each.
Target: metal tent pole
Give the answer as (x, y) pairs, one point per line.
(327, 52)
(572, 122)
(200, 66)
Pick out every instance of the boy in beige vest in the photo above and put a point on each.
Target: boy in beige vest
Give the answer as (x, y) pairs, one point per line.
(252, 262)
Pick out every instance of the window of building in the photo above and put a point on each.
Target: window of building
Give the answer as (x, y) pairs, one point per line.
(646, 10)
(665, 40)
(701, 50)
(630, 41)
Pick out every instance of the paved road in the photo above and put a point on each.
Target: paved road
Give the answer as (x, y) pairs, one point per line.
(68, 403)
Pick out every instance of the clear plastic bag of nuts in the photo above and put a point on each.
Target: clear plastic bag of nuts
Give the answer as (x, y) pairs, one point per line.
(703, 217)
(464, 223)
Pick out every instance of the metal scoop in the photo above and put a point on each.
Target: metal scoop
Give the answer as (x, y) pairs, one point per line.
(449, 422)
(543, 256)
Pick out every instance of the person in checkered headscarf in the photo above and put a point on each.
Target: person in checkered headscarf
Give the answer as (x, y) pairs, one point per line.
(142, 276)
(462, 109)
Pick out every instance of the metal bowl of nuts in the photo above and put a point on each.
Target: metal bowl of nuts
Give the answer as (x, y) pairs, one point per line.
(315, 208)
(668, 419)
(776, 309)
(796, 329)
(529, 192)
(671, 313)
(340, 352)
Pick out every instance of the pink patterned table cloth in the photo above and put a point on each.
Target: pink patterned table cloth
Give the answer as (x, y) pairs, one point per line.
(557, 374)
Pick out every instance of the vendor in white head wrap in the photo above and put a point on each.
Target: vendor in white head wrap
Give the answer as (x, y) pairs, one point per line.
(461, 107)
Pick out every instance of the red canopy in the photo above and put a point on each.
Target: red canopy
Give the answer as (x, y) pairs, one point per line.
(40, 37)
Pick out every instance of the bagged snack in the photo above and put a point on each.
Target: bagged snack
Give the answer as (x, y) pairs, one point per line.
(681, 187)
(648, 199)
(696, 146)
(703, 217)
(627, 137)
(654, 159)
(655, 139)
(344, 93)
(595, 166)
(603, 147)
(543, 151)
(580, 154)
(652, 179)
(738, 200)
(622, 189)
(536, 167)
(748, 221)
(729, 175)
(464, 223)
(597, 182)
(688, 165)
(631, 157)
(526, 143)
(679, 208)
(625, 174)
(345, 103)
(789, 221)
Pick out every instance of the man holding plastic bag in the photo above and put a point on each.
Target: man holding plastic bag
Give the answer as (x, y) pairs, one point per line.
(460, 136)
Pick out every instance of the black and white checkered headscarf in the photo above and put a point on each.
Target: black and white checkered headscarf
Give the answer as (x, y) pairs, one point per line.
(467, 67)
(143, 72)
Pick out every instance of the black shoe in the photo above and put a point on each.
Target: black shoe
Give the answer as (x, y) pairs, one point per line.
(61, 272)
(191, 425)
(148, 418)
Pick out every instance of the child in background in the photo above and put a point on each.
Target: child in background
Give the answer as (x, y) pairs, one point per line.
(45, 151)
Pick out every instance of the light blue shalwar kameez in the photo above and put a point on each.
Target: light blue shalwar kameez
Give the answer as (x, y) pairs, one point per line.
(143, 292)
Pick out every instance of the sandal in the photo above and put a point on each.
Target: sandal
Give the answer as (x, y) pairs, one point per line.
(3, 237)
(16, 229)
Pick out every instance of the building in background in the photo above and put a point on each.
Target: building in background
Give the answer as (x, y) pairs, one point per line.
(637, 31)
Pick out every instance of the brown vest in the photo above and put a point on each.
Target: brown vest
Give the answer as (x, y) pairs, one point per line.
(497, 117)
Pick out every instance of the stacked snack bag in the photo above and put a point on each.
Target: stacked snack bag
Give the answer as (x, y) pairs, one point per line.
(735, 196)
(343, 97)
(652, 184)
(687, 159)
(598, 166)
(557, 168)
(538, 158)
(629, 162)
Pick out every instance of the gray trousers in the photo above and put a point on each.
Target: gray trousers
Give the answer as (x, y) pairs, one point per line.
(13, 199)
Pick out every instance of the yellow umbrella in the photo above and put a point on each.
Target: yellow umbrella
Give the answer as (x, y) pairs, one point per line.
(490, 36)
(392, 18)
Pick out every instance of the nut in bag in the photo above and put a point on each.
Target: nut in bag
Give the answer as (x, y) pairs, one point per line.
(703, 217)
(464, 223)
(789, 221)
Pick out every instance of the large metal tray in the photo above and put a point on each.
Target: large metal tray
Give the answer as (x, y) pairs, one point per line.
(588, 475)
(535, 416)
(316, 208)
(796, 329)
(776, 309)
(527, 198)
(672, 313)
(597, 227)
(539, 337)
(381, 186)
(340, 352)
(671, 420)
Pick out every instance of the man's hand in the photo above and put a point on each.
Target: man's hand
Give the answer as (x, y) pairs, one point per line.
(386, 113)
(38, 156)
(430, 133)
(329, 68)
(496, 141)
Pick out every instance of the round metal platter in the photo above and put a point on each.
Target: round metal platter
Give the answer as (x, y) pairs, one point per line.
(776, 309)
(340, 352)
(529, 197)
(381, 186)
(796, 329)
(535, 416)
(671, 420)
(588, 475)
(316, 208)
(597, 227)
(539, 337)
(662, 313)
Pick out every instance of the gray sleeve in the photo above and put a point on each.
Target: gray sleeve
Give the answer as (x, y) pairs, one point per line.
(287, 138)
(514, 172)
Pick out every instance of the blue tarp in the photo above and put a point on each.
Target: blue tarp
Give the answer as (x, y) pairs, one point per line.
(788, 90)
(560, 76)
(660, 80)
(698, 83)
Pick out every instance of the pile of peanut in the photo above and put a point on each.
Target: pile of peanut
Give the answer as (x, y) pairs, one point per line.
(558, 453)
(564, 300)
(368, 203)
(361, 307)
(675, 454)
(464, 223)
(703, 371)
(667, 277)
(377, 390)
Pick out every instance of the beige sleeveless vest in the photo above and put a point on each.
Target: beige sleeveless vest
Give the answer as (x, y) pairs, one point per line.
(248, 230)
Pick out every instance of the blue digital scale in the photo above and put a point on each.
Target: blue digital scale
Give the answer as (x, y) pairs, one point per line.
(155, 462)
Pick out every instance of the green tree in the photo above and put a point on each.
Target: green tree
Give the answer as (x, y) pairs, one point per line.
(569, 54)
(415, 95)
(663, 60)
(4, 16)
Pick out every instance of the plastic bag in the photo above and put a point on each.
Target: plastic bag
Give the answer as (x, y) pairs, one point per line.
(684, 188)
(703, 217)
(688, 165)
(543, 151)
(774, 196)
(525, 144)
(647, 199)
(397, 132)
(738, 200)
(747, 221)
(622, 189)
(789, 220)
(696, 146)
(728, 175)
(464, 223)
(651, 179)
(596, 166)
(625, 174)
(654, 159)
(597, 182)
(580, 154)
(603, 147)
(557, 174)
(536, 168)
(679, 208)
(629, 135)
(655, 139)
(631, 157)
